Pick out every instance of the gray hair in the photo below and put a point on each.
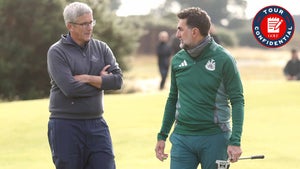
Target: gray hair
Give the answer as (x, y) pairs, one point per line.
(74, 10)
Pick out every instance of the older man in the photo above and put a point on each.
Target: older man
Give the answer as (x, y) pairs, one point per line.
(80, 68)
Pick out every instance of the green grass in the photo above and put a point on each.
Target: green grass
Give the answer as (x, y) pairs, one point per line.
(271, 128)
(271, 122)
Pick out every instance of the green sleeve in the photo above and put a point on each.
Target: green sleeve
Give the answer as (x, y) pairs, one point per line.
(170, 109)
(234, 89)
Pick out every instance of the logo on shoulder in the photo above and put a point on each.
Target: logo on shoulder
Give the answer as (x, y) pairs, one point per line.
(211, 65)
(183, 64)
(273, 26)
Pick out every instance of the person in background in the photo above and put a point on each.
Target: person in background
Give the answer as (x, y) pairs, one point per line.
(292, 68)
(214, 35)
(80, 69)
(206, 95)
(163, 51)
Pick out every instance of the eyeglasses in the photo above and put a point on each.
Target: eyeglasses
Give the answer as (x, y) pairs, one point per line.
(85, 24)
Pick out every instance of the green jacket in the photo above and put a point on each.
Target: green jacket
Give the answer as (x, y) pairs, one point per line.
(205, 92)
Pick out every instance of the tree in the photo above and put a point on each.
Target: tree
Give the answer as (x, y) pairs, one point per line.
(215, 8)
(26, 34)
(29, 28)
(114, 4)
(220, 11)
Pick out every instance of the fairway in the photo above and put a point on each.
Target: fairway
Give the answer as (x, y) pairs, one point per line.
(271, 121)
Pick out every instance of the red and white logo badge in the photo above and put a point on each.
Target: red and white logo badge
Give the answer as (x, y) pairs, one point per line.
(273, 26)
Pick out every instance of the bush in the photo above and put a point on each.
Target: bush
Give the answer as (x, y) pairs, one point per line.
(226, 37)
(246, 38)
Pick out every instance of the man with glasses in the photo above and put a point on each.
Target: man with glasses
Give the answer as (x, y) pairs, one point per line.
(206, 93)
(80, 69)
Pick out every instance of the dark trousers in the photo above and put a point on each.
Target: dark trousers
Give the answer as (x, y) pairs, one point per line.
(163, 70)
(80, 144)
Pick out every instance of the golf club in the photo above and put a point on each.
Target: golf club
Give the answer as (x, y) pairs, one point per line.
(222, 164)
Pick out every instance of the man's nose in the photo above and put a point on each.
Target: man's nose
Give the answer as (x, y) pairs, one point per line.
(177, 34)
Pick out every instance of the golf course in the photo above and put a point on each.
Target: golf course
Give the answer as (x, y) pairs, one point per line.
(272, 113)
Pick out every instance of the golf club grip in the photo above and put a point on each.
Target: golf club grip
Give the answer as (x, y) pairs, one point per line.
(253, 157)
(258, 157)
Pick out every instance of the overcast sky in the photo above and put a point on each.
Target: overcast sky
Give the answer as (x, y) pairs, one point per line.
(143, 7)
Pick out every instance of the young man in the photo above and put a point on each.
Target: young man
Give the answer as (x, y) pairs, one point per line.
(204, 80)
(80, 68)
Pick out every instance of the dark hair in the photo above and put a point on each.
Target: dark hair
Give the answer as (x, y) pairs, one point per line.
(196, 17)
(294, 50)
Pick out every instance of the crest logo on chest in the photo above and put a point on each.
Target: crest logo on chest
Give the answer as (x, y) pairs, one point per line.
(211, 65)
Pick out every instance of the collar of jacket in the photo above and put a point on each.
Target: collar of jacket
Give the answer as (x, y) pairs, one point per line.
(196, 51)
(68, 39)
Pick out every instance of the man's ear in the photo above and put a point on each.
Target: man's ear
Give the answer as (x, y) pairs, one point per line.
(69, 27)
(195, 32)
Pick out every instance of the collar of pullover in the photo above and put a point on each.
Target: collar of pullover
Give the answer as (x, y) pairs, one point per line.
(195, 52)
(70, 39)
